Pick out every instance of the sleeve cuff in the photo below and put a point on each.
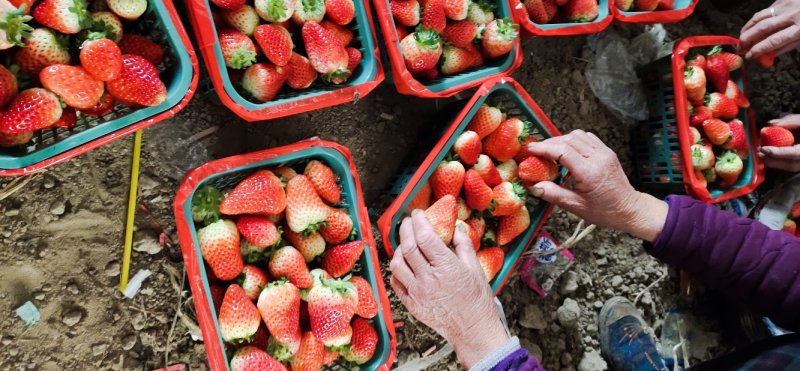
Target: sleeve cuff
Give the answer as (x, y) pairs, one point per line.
(497, 356)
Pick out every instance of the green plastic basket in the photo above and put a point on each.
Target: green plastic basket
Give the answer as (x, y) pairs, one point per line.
(176, 71)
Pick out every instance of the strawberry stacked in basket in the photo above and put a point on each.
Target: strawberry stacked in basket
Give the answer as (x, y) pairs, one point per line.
(561, 11)
(281, 254)
(67, 59)
(644, 5)
(448, 37)
(483, 185)
(260, 37)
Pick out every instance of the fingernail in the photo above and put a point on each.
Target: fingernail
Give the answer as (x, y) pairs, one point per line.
(461, 227)
(766, 151)
(537, 191)
(416, 211)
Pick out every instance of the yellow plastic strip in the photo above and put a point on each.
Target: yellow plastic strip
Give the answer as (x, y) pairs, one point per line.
(126, 253)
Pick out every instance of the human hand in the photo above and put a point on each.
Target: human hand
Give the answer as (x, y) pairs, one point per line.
(602, 194)
(772, 30)
(783, 158)
(446, 291)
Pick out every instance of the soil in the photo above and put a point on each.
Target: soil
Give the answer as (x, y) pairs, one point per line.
(62, 234)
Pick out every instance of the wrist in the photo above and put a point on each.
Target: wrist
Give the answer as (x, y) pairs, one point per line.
(647, 218)
(474, 344)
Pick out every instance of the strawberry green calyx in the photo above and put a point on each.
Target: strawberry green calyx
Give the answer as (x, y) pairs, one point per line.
(489, 238)
(336, 77)
(79, 8)
(507, 29)
(715, 50)
(527, 127)
(205, 205)
(16, 27)
(316, 226)
(427, 38)
(276, 9)
(242, 58)
(102, 27)
(518, 189)
(279, 350)
(710, 175)
(341, 286)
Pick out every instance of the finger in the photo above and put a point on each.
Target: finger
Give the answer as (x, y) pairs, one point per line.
(410, 250)
(464, 249)
(595, 140)
(758, 17)
(401, 271)
(555, 194)
(580, 140)
(398, 287)
(761, 31)
(788, 121)
(791, 153)
(775, 42)
(563, 153)
(428, 241)
(786, 165)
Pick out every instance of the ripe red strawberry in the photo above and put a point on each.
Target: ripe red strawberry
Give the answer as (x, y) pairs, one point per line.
(259, 193)
(326, 53)
(525, 151)
(340, 12)
(717, 131)
(338, 226)
(311, 355)
(506, 141)
(276, 43)
(324, 181)
(343, 34)
(717, 73)
(499, 37)
(238, 50)
(624, 5)
(102, 107)
(101, 58)
(330, 309)
(666, 4)
(460, 33)
(251, 358)
(263, 81)
(512, 226)
(252, 280)
(405, 12)
(582, 10)
(491, 261)
(478, 195)
(456, 9)
(245, 19)
(537, 12)
(455, 60)
(508, 171)
(138, 82)
(729, 167)
(258, 230)
(276, 11)
(309, 246)
(646, 5)
(790, 227)
(694, 79)
(468, 147)
(794, 213)
(732, 60)
(701, 114)
(8, 86)
(776, 136)
(736, 95)
(422, 199)
(340, 259)
(284, 173)
(738, 141)
(536, 169)
(129, 10)
(14, 140)
(76, 87)
(480, 12)
(305, 211)
(766, 60)
(142, 46)
(65, 16)
(701, 178)
(363, 342)
(443, 215)
(219, 245)
(229, 4)
(217, 294)
(447, 179)
(105, 24)
(477, 227)
(507, 198)
(486, 120)
(421, 50)
(309, 11)
(287, 262)
(433, 15)
(32, 109)
(702, 157)
(279, 305)
(238, 316)
(68, 119)
(551, 7)
(722, 106)
(367, 306)
(698, 60)
(486, 169)
(43, 48)
(353, 58)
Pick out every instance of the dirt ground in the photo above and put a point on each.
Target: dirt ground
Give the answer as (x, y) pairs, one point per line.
(61, 236)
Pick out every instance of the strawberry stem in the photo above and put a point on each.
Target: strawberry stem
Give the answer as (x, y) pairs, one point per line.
(16, 27)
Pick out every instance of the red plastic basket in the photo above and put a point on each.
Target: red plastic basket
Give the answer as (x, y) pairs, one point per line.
(659, 16)
(531, 29)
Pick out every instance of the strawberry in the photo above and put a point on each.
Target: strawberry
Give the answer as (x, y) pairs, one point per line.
(8, 85)
(582, 10)
(245, 19)
(698, 60)
(536, 11)
(422, 199)
(512, 226)
(624, 5)
(363, 342)
(551, 7)
(275, 11)
(129, 10)
(443, 215)
(718, 132)
(646, 5)
(480, 12)
(251, 358)
(279, 305)
(525, 151)
(405, 12)
(766, 60)
(421, 50)
(491, 260)
(343, 34)
(460, 33)
(468, 147)
(309, 246)
(721, 106)
(32, 109)
(476, 229)
(486, 120)
(506, 141)
(776, 136)
(478, 195)
(229, 4)
(701, 114)
(499, 37)
(340, 259)
(738, 140)
(287, 262)
(258, 230)
(454, 60)
(702, 157)
(729, 167)
(138, 82)
(696, 137)
(252, 280)
(367, 306)
(794, 213)
(14, 140)
(433, 15)
(456, 9)
(13, 25)
(340, 12)
(238, 50)
(104, 106)
(427, 74)
(326, 52)
(105, 24)
(263, 81)
(142, 46)
(486, 169)
(508, 171)
(276, 43)
(261, 338)
(309, 11)
(65, 16)
(507, 198)
(790, 227)
(68, 119)
(701, 178)
(536, 169)
(338, 226)
(219, 245)
(717, 73)
(259, 193)
(666, 4)
(694, 79)
(238, 317)
(736, 95)
(447, 179)
(463, 209)
(76, 87)
(43, 48)
(310, 355)
(732, 60)
(324, 181)
(101, 58)
(353, 58)
(710, 174)
(217, 294)
(305, 211)
(330, 310)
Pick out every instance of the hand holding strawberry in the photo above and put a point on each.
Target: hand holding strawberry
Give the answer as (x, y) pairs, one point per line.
(778, 149)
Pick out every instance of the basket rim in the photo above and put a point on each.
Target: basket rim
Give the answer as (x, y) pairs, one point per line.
(660, 16)
(604, 19)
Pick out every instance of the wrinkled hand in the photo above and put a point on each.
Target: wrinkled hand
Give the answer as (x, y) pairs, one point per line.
(446, 291)
(778, 34)
(783, 158)
(602, 194)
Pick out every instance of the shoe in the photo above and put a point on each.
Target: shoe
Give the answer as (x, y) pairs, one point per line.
(627, 342)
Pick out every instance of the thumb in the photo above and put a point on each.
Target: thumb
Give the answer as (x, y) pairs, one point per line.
(553, 193)
(463, 246)
(788, 121)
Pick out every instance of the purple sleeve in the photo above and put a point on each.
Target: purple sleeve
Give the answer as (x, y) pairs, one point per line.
(739, 256)
(519, 361)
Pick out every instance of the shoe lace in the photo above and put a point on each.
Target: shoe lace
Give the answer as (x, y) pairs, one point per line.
(630, 334)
